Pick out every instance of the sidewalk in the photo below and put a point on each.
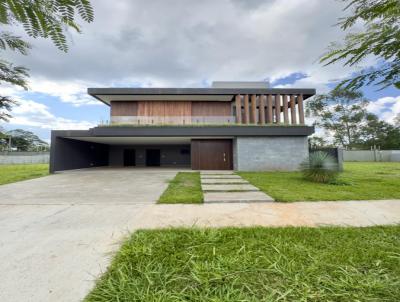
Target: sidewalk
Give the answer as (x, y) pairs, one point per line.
(323, 213)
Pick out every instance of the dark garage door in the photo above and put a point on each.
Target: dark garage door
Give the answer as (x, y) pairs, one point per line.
(212, 154)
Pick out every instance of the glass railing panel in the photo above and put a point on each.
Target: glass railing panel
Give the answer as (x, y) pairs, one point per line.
(173, 120)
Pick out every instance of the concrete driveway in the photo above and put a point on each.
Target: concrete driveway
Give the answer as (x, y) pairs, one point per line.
(56, 231)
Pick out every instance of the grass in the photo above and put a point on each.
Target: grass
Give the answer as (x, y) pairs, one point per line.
(255, 264)
(359, 181)
(13, 173)
(184, 188)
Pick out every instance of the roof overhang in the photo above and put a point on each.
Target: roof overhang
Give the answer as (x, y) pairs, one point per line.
(138, 141)
(106, 95)
(187, 131)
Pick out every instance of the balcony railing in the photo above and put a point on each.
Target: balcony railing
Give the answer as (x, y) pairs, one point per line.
(173, 120)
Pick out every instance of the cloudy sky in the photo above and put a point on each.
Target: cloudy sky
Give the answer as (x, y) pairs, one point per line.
(181, 43)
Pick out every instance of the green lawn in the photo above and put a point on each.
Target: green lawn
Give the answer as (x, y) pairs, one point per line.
(358, 181)
(255, 264)
(184, 188)
(13, 173)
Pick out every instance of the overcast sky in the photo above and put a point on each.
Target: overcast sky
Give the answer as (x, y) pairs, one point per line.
(181, 43)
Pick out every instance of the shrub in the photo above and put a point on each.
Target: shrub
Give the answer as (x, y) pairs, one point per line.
(320, 167)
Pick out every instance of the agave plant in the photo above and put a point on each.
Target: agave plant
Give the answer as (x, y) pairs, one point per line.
(320, 167)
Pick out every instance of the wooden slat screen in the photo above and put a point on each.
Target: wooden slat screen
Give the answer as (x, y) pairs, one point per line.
(270, 109)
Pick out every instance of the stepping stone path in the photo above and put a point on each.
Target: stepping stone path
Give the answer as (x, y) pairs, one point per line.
(225, 186)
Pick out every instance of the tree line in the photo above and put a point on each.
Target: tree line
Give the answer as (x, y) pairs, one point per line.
(344, 116)
(21, 140)
(343, 112)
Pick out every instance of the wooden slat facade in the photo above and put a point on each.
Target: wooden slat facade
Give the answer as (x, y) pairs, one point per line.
(209, 108)
(254, 109)
(253, 114)
(124, 108)
(246, 109)
(156, 108)
(262, 109)
(270, 109)
(285, 109)
(300, 109)
(293, 109)
(277, 108)
(238, 106)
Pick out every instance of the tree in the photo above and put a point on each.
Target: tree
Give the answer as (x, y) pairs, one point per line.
(316, 142)
(4, 139)
(26, 141)
(380, 38)
(340, 112)
(397, 120)
(39, 18)
(378, 133)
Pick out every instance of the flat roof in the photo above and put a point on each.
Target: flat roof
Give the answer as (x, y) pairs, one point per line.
(187, 131)
(106, 95)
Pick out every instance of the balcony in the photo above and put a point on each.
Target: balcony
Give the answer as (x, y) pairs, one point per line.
(171, 120)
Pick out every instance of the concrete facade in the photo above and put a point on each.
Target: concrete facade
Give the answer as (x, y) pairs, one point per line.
(269, 153)
(69, 154)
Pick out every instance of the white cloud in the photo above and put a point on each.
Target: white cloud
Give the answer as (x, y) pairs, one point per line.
(176, 43)
(186, 43)
(34, 114)
(74, 93)
(387, 108)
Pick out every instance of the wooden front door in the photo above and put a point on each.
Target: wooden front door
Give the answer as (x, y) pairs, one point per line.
(211, 154)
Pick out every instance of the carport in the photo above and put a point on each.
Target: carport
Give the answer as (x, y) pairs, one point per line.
(86, 151)
(206, 147)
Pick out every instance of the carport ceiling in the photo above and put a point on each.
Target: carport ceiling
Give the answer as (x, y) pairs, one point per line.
(136, 140)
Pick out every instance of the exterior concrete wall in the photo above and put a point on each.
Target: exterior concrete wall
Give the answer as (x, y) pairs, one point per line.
(370, 155)
(170, 155)
(269, 153)
(7, 158)
(68, 154)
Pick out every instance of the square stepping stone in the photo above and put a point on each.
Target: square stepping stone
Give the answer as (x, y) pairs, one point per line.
(220, 172)
(210, 176)
(228, 187)
(223, 181)
(227, 197)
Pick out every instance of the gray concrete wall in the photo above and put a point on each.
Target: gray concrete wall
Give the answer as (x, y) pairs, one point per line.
(269, 153)
(8, 158)
(68, 154)
(170, 155)
(368, 155)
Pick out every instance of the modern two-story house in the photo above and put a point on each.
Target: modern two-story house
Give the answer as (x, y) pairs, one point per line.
(244, 126)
